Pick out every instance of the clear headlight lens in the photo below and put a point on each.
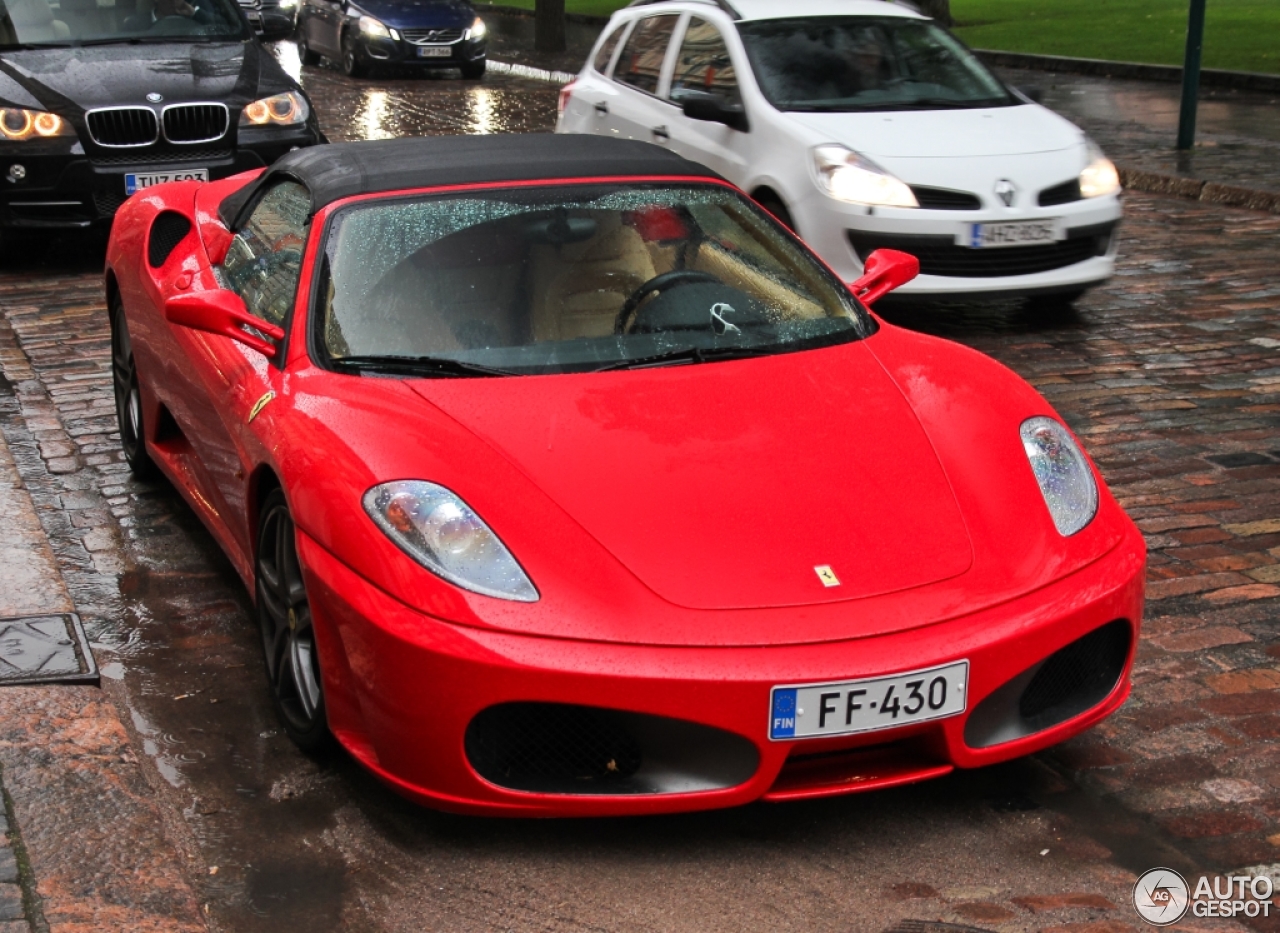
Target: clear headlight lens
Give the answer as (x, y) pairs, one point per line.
(1063, 474)
(374, 29)
(477, 30)
(280, 110)
(20, 125)
(1099, 176)
(288, 4)
(439, 531)
(847, 176)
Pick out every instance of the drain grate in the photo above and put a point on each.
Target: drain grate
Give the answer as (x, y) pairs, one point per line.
(45, 650)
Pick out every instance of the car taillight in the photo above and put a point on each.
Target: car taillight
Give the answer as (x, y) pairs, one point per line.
(563, 100)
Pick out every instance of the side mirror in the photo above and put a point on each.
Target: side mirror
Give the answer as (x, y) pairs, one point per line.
(885, 270)
(711, 108)
(218, 311)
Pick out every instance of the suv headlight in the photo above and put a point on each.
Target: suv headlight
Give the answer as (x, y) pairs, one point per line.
(1065, 479)
(373, 28)
(443, 534)
(1099, 176)
(278, 110)
(20, 125)
(477, 30)
(848, 176)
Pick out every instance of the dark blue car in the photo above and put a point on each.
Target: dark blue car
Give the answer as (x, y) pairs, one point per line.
(358, 35)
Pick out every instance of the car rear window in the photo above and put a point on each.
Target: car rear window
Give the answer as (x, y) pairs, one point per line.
(569, 279)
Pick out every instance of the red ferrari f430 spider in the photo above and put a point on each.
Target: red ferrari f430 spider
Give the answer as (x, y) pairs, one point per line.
(567, 482)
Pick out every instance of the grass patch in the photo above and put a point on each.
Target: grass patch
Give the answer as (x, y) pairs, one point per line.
(1240, 35)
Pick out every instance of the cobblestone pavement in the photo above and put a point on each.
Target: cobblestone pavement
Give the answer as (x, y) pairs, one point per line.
(1170, 375)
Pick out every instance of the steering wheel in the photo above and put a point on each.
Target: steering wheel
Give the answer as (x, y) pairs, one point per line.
(659, 284)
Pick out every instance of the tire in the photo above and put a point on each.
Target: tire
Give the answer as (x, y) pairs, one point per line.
(473, 70)
(306, 54)
(128, 395)
(288, 637)
(352, 66)
(779, 210)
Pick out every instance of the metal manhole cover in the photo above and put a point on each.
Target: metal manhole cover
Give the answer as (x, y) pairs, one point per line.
(44, 650)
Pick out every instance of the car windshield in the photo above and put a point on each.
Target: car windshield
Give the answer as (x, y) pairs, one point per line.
(570, 279)
(859, 63)
(46, 23)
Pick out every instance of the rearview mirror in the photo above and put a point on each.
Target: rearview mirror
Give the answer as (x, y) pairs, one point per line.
(218, 311)
(711, 108)
(885, 270)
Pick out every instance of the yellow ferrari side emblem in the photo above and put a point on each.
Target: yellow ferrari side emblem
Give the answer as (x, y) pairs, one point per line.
(827, 575)
(259, 405)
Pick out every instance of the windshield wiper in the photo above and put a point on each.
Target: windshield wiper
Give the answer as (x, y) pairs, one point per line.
(686, 355)
(419, 366)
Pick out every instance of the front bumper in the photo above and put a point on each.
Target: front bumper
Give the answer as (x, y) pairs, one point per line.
(70, 190)
(846, 234)
(402, 689)
(402, 52)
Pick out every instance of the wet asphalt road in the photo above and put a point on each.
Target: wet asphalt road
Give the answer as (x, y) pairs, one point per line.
(278, 841)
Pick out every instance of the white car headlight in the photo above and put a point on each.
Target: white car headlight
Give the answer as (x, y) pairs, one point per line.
(847, 176)
(20, 125)
(1099, 176)
(374, 29)
(443, 534)
(477, 30)
(279, 110)
(1065, 479)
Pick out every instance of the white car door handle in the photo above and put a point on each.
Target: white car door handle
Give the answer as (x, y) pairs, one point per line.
(660, 132)
(602, 108)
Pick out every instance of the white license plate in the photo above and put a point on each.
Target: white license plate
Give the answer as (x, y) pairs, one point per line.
(435, 51)
(868, 705)
(1014, 233)
(136, 181)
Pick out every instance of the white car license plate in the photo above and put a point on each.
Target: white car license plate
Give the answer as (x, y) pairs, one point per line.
(435, 51)
(136, 181)
(1013, 233)
(868, 705)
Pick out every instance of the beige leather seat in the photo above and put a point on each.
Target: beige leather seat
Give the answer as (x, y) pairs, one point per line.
(33, 21)
(578, 288)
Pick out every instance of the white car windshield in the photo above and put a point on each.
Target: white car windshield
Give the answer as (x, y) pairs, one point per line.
(570, 279)
(846, 64)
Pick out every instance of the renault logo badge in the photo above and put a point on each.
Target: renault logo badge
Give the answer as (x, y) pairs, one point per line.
(1005, 190)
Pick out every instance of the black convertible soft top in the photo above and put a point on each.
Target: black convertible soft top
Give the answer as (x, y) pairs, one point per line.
(338, 170)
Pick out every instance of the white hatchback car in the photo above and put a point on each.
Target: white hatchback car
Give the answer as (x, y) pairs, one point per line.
(861, 124)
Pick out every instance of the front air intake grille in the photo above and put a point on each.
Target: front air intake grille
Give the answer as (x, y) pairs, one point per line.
(1077, 676)
(152, 159)
(123, 127)
(167, 231)
(943, 199)
(196, 123)
(108, 202)
(1064, 193)
(940, 255)
(532, 746)
(431, 36)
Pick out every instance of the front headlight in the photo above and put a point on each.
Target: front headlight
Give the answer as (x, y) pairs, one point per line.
(1099, 176)
(439, 531)
(477, 30)
(279, 110)
(21, 125)
(373, 28)
(847, 176)
(288, 4)
(1065, 479)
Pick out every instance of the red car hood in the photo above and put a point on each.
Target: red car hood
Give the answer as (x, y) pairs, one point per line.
(726, 485)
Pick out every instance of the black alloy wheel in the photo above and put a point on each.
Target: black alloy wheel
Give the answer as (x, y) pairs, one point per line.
(352, 66)
(288, 637)
(306, 54)
(124, 380)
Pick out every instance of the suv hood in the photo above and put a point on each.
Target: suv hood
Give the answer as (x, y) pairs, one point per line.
(421, 14)
(986, 132)
(726, 485)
